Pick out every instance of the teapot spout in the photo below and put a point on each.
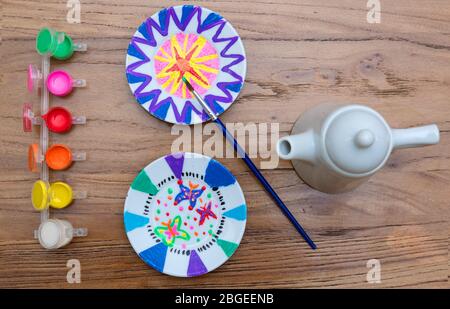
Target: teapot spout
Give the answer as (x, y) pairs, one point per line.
(415, 137)
(300, 147)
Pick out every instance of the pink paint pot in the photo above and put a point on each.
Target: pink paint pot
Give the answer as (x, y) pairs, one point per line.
(60, 83)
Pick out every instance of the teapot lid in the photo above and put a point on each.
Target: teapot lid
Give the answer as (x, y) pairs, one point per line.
(357, 140)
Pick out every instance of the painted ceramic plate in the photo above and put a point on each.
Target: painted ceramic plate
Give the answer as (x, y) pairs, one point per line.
(185, 214)
(191, 41)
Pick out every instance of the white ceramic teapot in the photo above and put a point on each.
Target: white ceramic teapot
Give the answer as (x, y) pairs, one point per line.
(335, 148)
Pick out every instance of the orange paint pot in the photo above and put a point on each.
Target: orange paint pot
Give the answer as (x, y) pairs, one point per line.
(58, 157)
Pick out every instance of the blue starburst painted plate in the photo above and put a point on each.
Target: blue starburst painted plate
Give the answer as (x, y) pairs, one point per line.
(185, 214)
(188, 41)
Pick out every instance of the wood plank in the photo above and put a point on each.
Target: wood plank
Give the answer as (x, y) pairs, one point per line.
(300, 54)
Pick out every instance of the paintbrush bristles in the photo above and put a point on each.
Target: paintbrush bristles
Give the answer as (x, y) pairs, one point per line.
(188, 84)
(200, 100)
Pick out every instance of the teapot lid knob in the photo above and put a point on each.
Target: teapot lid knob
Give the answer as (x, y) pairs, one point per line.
(364, 138)
(357, 140)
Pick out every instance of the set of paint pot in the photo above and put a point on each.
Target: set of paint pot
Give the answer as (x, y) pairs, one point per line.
(58, 157)
(51, 43)
(58, 82)
(58, 119)
(52, 233)
(57, 195)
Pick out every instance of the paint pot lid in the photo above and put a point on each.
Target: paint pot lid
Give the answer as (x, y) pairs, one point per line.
(33, 78)
(357, 140)
(58, 157)
(185, 214)
(58, 119)
(39, 195)
(33, 157)
(27, 121)
(61, 195)
(59, 83)
(46, 41)
(216, 70)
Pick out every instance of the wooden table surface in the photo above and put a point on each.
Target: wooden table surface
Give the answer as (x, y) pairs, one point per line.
(300, 53)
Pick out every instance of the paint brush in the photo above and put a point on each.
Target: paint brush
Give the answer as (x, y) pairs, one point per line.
(241, 152)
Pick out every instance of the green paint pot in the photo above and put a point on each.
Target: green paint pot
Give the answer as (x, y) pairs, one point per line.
(52, 43)
(64, 49)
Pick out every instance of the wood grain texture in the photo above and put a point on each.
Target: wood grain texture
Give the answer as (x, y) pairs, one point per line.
(300, 53)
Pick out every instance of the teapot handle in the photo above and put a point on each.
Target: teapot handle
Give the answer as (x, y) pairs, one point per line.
(415, 137)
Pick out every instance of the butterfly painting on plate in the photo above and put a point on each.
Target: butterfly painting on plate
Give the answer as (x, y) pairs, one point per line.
(185, 214)
(190, 193)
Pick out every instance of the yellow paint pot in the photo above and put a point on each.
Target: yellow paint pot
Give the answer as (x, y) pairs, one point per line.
(57, 195)
(61, 195)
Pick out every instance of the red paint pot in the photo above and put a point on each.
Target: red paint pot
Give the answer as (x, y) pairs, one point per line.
(58, 119)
